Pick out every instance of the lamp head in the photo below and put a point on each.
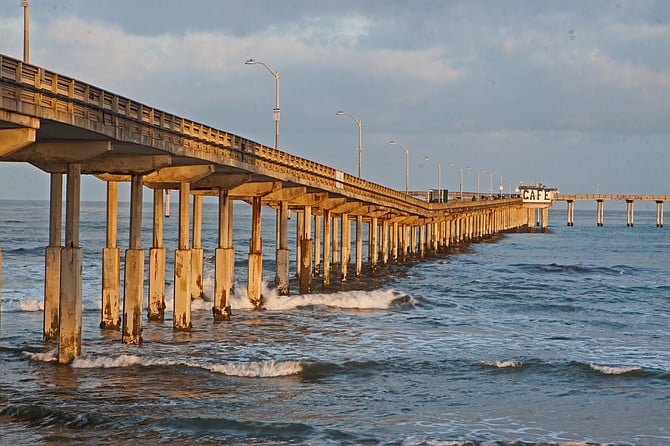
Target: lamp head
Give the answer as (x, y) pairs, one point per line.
(426, 158)
(251, 62)
(24, 3)
(340, 113)
(392, 142)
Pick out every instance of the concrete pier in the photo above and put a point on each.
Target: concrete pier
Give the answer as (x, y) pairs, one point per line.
(659, 214)
(571, 212)
(346, 246)
(327, 247)
(224, 260)
(182, 265)
(133, 293)
(630, 213)
(600, 212)
(255, 259)
(282, 277)
(197, 253)
(359, 245)
(111, 264)
(156, 307)
(306, 253)
(52, 265)
(70, 303)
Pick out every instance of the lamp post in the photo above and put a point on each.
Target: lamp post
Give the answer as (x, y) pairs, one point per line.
(479, 171)
(439, 177)
(406, 165)
(460, 183)
(359, 123)
(26, 30)
(275, 111)
(491, 186)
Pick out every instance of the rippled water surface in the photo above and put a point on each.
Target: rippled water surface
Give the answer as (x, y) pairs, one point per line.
(525, 338)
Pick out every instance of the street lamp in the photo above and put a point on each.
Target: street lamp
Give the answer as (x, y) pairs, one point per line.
(406, 165)
(439, 177)
(491, 186)
(460, 183)
(275, 111)
(478, 172)
(359, 123)
(26, 30)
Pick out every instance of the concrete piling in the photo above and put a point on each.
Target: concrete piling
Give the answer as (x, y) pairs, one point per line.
(224, 260)
(156, 307)
(111, 265)
(659, 214)
(346, 246)
(133, 293)
(52, 265)
(182, 265)
(255, 259)
(281, 279)
(359, 245)
(70, 302)
(327, 237)
(197, 253)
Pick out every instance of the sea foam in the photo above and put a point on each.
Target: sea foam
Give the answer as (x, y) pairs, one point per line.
(610, 370)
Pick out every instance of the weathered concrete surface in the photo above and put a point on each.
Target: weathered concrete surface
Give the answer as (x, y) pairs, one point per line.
(131, 331)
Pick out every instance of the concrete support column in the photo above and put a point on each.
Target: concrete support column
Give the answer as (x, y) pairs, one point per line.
(435, 238)
(630, 213)
(299, 233)
(359, 245)
(336, 244)
(70, 306)
(255, 271)
(133, 290)
(346, 246)
(659, 214)
(197, 253)
(385, 242)
(156, 307)
(317, 245)
(394, 241)
(52, 263)
(600, 212)
(306, 253)
(182, 265)
(545, 218)
(225, 260)
(111, 264)
(326, 247)
(374, 243)
(405, 242)
(422, 241)
(281, 279)
(571, 213)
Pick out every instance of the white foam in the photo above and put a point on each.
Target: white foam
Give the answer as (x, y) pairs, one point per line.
(262, 369)
(21, 305)
(50, 356)
(258, 369)
(368, 300)
(509, 364)
(610, 370)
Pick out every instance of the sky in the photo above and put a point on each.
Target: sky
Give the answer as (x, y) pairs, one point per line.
(575, 94)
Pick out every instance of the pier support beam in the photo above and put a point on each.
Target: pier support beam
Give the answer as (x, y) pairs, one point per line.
(156, 307)
(630, 213)
(571, 213)
(281, 279)
(600, 211)
(317, 245)
(659, 214)
(225, 260)
(197, 253)
(182, 265)
(326, 247)
(70, 305)
(134, 271)
(346, 246)
(111, 264)
(374, 244)
(255, 271)
(306, 253)
(336, 244)
(359, 245)
(385, 242)
(52, 260)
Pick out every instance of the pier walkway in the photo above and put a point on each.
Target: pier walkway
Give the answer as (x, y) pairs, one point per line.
(68, 128)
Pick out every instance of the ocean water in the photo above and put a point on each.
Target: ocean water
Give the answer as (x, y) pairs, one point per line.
(524, 338)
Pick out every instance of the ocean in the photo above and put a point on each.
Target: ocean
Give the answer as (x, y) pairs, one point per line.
(553, 338)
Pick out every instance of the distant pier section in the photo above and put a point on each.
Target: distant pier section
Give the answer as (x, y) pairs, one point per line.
(600, 203)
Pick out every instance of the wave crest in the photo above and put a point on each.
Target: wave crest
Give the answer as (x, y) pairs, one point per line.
(612, 370)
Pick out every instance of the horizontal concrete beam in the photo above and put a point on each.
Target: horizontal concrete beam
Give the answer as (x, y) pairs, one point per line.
(247, 190)
(171, 177)
(12, 140)
(222, 181)
(44, 153)
(126, 164)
